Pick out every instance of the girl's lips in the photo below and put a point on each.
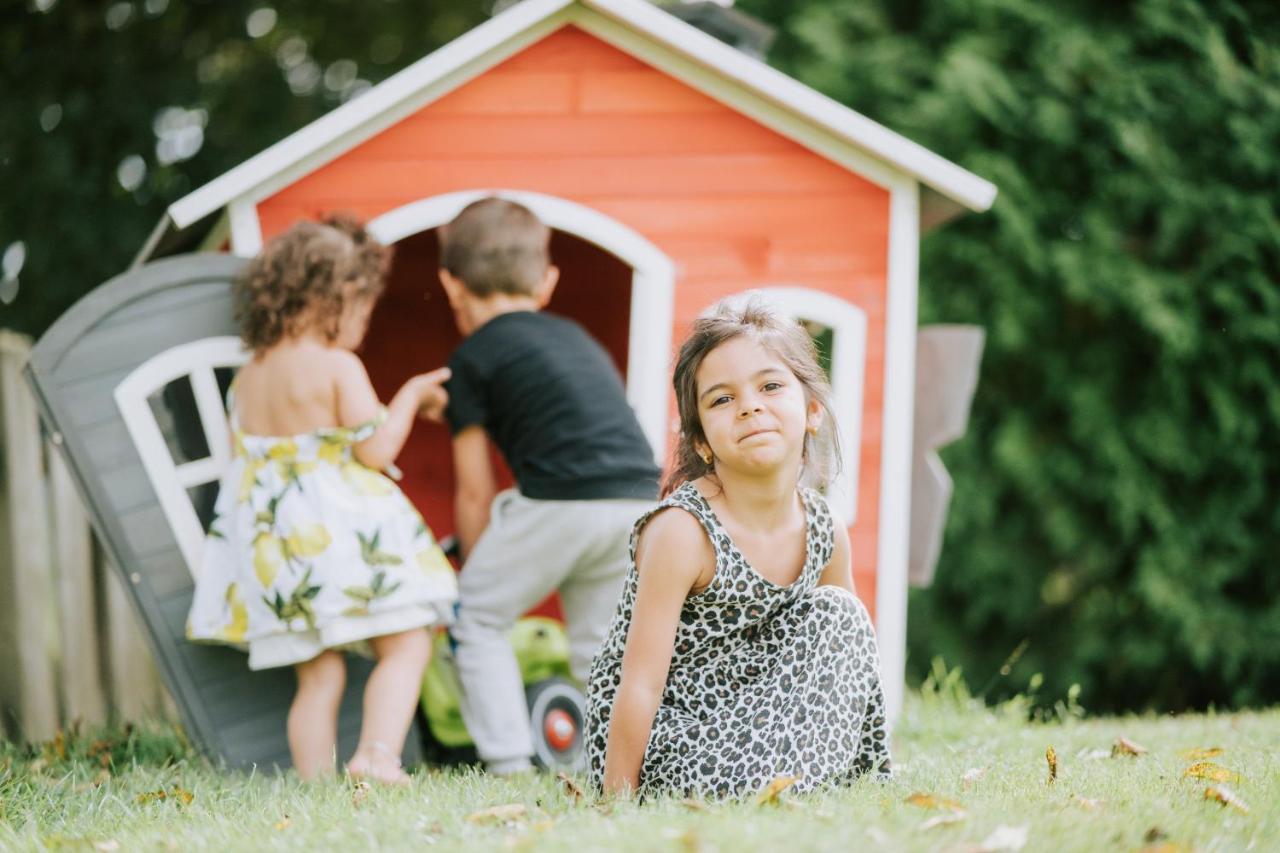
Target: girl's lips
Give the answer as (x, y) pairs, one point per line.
(755, 433)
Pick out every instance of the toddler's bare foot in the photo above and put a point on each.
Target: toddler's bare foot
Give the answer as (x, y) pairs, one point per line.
(377, 762)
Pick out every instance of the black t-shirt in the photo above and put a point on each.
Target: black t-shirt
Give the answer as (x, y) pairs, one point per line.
(551, 399)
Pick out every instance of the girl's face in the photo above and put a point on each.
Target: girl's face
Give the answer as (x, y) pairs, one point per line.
(754, 411)
(354, 321)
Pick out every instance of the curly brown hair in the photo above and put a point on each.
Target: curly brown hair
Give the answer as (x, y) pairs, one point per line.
(784, 337)
(304, 279)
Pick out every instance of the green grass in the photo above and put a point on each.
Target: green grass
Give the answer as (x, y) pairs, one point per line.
(48, 801)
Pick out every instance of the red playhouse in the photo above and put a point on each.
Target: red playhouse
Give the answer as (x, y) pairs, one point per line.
(674, 170)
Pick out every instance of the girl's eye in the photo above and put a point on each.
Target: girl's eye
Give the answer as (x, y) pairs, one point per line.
(772, 386)
(723, 398)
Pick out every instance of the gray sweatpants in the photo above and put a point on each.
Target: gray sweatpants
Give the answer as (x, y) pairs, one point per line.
(530, 549)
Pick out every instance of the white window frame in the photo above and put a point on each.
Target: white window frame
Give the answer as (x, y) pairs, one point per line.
(197, 360)
(848, 324)
(652, 284)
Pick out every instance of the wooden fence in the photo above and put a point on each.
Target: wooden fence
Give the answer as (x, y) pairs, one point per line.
(71, 647)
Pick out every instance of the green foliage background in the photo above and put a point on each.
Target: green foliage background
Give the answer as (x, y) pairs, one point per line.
(1117, 503)
(1116, 515)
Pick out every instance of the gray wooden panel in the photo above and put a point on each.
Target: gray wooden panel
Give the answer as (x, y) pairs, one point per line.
(146, 532)
(113, 449)
(105, 352)
(236, 716)
(167, 574)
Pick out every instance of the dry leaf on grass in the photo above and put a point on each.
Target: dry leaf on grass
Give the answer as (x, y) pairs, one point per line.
(972, 775)
(283, 823)
(178, 795)
(1124, 746)
(769, 794)
(1052, 757)
(509, 813)
(1003, 839)
(1227, 797)
(1211, 772)
(1201, 753)
(933, 801)
(570, 787)
(942, 820)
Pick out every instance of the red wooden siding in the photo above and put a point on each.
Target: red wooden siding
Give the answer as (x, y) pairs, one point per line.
(733, 203)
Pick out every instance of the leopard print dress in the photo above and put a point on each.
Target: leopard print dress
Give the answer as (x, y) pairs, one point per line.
(765, 680)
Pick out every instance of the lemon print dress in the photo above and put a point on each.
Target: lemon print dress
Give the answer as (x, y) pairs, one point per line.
(310, 550)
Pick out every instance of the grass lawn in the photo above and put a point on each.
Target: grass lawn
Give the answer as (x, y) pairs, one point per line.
(981, 775)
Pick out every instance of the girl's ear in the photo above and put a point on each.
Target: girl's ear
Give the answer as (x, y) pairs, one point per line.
(548, 286)
(813, 417)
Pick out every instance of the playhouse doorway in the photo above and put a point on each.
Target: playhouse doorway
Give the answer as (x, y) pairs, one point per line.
(412, 330)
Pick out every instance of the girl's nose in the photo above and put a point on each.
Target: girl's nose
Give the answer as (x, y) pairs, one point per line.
(749, 408)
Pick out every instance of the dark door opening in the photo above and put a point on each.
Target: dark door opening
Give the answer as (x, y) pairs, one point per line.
(412, 330)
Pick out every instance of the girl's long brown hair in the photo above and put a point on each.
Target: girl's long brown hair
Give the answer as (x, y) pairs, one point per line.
(787, 339)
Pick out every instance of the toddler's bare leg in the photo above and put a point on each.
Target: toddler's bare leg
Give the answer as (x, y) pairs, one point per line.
(390, 696)
(313, 716)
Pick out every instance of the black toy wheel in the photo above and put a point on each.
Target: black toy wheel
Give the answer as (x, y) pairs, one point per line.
(557, 713)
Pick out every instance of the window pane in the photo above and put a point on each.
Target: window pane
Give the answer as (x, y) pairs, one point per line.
(203, 498)
(224, 375)
(174, 407)
(823, 336)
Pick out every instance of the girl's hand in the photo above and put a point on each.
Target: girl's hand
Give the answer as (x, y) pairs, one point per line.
(432, 398)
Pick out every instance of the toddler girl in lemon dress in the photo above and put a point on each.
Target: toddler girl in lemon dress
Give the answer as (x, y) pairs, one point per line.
(311, 549)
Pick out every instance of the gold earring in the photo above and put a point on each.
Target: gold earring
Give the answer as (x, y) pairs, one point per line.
(812, 430)
(706, 457)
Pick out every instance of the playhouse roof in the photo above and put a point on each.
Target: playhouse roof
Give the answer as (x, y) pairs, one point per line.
(634, 26)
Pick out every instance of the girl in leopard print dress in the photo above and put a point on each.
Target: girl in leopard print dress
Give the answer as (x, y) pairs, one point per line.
(739, 652)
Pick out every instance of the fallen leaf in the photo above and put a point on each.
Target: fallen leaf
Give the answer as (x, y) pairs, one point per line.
(283, 823)
(508, 813)
(1087, 804)
(570, 787)
(1002, 838)
(942, 820)
(1052, 757)
(1124, 746)
(1227, 797)
(1210, 771)
(771, 791)
(359, 792)
(60, 745)
(971, 776)
(933, 801)
(152, 797)
(1201, 754)
(182, 795)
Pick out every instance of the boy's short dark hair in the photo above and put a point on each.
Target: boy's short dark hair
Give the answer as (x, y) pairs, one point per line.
(496, 246)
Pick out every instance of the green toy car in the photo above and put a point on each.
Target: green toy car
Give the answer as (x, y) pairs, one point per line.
(557, 708)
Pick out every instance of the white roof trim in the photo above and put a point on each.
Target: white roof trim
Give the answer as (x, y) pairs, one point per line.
(385, 103)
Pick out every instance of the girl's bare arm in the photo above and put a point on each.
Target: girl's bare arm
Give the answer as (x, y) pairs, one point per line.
(358, 403)
(672, 557)
(839, 572)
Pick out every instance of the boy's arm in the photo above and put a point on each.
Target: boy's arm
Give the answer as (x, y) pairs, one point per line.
(839, 572)
(673, 554)
(476, 486)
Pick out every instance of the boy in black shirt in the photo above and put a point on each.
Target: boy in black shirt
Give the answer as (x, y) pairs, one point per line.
(550, 398)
